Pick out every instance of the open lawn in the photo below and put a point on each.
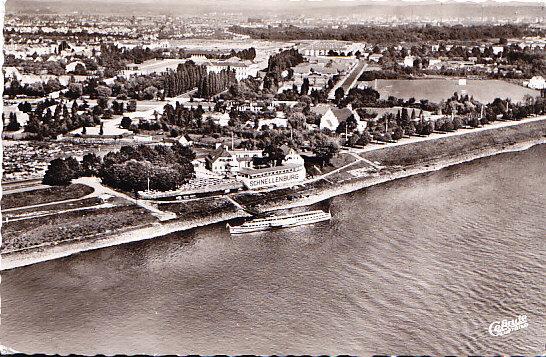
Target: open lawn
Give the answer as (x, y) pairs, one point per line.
(199, 208)
(51, 209)
(420, 152)
(46, 195)
(71, 225)
(436, 90)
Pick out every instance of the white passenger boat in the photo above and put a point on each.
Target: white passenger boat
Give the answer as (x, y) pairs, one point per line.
(274, 222)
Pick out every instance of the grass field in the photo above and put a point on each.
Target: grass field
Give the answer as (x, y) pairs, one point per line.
(71, 225)
(53, 208)
(436, 90)
(199, 208)
(46, 195)
(422, 152)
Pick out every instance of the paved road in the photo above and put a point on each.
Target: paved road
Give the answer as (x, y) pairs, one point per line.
(351, 79)
(22, 186)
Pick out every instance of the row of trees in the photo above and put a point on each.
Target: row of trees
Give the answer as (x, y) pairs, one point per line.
(214, 83)
(382, 34)
(246, 54)
(187, 76)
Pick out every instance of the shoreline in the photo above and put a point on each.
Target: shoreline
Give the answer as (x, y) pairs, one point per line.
(60, 250)
(432, 166)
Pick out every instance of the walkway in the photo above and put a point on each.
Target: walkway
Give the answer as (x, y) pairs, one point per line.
(351, 80)
(101, 189)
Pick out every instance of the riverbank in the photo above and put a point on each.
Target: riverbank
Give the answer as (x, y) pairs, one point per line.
(502, 141)
(399, 174)
(65, 249)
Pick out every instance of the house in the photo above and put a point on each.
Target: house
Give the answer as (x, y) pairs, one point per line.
(221, 119)
(12, 73)
(71, 67)
(228, 162)
(375, 57)
(498, 49)
(537, 82)
(344, 114)
(408, 61)
(326, 47)
(291, 156)
(183, 140)
(328, 119)
(221, 161)
(243, 69)
(273, 123)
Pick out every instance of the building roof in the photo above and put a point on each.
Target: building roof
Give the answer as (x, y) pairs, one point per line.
(342, 114)
(320, 109)
(218, 153)
(250, 171)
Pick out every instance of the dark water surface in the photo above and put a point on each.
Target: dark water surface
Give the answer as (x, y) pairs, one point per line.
(420, 265)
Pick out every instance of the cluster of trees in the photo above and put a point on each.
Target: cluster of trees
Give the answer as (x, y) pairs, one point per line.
(381, 34)
(182, 117)
(246, 89)
(45, 122)
(466, 112)
(56, 68)
(314, 96)
(129, 169)
(367, 97)
(114, 59)
(36, 89)
(278, 63)
(246, 54)
(284, 60)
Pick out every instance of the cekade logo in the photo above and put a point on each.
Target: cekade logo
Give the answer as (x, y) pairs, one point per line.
(504, 327)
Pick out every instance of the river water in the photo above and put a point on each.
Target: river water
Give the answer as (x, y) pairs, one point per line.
(420, 265)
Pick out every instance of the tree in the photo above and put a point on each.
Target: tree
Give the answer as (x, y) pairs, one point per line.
(84, 130)
(398, 133)
(103, 91)
(75, 90)
(74, 166)
(325, 148)
(126, 122)
(80, 69)
(90, 165)
(53, 85)
(150, 92)
(339, 94)
(57, 174)
(273, 154)
(132, 106)
(101, 130)
(13, 124)
(305, 87)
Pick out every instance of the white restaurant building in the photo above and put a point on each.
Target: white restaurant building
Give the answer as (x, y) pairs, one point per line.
(285, 175)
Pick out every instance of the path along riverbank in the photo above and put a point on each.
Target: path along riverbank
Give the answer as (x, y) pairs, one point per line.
(64, 249)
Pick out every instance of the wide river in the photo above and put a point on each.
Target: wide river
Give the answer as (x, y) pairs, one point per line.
(420, 265)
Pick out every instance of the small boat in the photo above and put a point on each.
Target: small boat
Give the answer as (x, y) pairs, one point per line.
(276, 222)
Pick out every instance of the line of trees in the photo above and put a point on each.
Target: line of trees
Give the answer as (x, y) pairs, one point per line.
(382, 34)
(187, 76)
(214, 83)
